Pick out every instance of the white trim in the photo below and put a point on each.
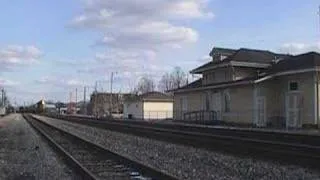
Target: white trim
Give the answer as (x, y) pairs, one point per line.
(250, 64)
(285, 73)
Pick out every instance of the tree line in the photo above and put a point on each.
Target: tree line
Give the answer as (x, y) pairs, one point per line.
(175, 79)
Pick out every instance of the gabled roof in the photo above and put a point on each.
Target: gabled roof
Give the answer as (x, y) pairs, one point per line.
(254, 55)
(155, 95)
(222, 51)
(289, 65)
(194, 84)
(302, 61)
(246, 57)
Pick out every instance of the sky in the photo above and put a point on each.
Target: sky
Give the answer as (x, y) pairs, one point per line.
(51, 48)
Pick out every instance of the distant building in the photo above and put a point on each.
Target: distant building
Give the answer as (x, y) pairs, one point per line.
(100, 103)
(149, 106)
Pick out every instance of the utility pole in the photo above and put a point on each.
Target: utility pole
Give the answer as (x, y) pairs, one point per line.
(96, 86)
(317, 82)
(70, 105)
(111, 103)
(2, 97)
(76, 99)
(84, 100)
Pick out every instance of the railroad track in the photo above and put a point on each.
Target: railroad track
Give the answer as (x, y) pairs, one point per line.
(294, 149)
(93, 161)
(282, 137)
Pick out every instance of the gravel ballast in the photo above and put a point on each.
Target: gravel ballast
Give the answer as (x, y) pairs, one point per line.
(185, 162)
(24, 155)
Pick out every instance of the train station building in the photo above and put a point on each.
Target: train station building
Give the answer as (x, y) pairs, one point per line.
(254, 87)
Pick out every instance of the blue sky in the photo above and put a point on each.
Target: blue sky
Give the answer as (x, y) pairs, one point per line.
(50, 48)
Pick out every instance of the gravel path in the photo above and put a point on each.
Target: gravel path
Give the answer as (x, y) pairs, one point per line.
(185, 162)
(25, 156)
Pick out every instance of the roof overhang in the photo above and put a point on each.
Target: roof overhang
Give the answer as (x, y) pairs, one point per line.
(231, 63)
(262, 79)
(200, 70)
(157, 100)
(284, 73)
(250, 64)
(216, 86)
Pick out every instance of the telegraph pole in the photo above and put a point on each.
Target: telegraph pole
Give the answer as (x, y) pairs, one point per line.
(84, 100)
(96, 86)
(2, 97)
(111, 82)
(76, 99)
(317, 82)
(70, 105)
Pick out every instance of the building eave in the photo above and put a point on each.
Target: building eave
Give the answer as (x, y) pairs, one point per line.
(232, 63)
(215, 86)
(201, 70)
(250, 64)
(158, 100)
(284, 73)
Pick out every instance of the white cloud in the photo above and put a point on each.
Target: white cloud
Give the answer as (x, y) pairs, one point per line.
(14, 55)
(59, 81)
(205, 59)
(7, 83)
(70, 62)
(142, 23)
(150, 35)
(135, 31)
(298, 48)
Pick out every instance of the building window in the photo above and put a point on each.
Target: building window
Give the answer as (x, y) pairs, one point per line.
(293, 86)
(213, 76)
(226, 74)
(226, 102)
(207, 102)
(184, 104)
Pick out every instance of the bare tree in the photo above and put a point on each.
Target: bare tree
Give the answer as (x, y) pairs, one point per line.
(145, 85)
(179, 77)
(176, 79)
(165, 83)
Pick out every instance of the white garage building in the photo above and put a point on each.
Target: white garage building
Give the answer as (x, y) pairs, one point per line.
(149, 106)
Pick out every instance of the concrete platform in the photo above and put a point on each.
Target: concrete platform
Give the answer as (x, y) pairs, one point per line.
(311, 132)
